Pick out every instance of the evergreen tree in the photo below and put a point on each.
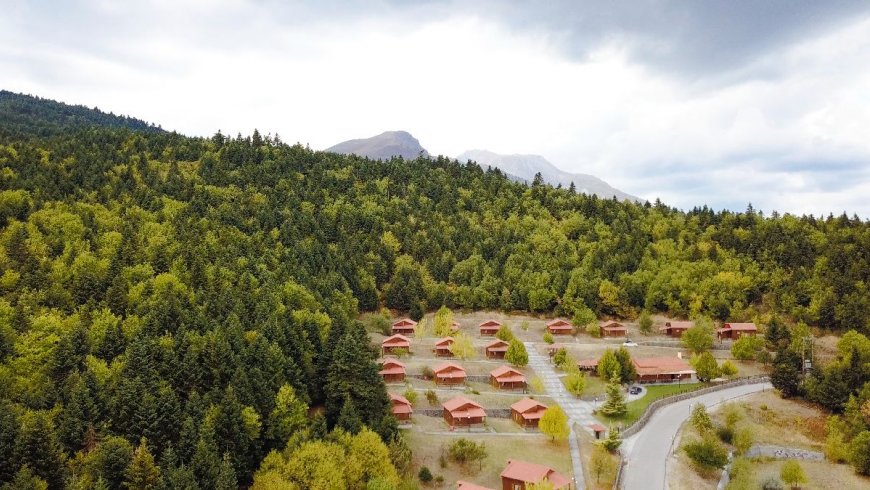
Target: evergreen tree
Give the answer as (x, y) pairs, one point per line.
(38, 448)
(516, 353)
(9, 427)
(226, 477)
(614, 406)
(349, 418)
(142, 474)
(786, 375)
(111, 461)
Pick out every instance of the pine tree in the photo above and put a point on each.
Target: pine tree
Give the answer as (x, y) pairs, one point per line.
(142, 474)
(9, 427)
(615, 404)
(349, 418)
(226, 477)
(38, 447)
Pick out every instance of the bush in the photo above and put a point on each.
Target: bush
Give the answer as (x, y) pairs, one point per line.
(575, 382)
(548, 337)
(594, 330)
(504, 333)
(792, 473)
(725, 434)
(524, 326)
(560, 358)
(432, 397)
(747, 348)
(516, 353)
(428, 373)
(860, 447)
(772, 484)
(708, 453)
(700, 418)
(442, 461)
(411, 395)
(464, 451)
(379, 322)
(728, 369)
(742, 439)
(425, 475)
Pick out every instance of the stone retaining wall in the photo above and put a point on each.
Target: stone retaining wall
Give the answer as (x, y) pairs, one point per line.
(651, 409)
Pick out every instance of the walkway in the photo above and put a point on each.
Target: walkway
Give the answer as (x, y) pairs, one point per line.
(578, 411)
(647, 451)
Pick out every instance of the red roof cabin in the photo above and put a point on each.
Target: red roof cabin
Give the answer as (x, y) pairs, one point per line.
(442, 347)
(518, 474)
(405, 326)
(464, 485)
(662, 370)
(612, 329)
(527, 412)
(462, 412)
(507, 378)
(589, 365)
(395, 343)
(560, 326)
(489, 327)
(401, 407)
(392, 371)
(449, 373)
(676, 329)
(496, 349)
(734, 331)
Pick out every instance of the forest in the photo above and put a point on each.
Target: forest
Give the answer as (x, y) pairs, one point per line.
(182, 312)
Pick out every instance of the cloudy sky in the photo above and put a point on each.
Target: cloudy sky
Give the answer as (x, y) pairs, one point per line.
(716, 102)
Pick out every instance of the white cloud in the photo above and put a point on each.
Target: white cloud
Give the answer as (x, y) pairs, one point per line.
(764, 133)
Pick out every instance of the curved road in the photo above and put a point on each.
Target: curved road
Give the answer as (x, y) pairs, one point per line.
(647, 451)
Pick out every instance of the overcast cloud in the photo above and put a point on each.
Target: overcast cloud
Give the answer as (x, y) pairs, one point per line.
(718, 103)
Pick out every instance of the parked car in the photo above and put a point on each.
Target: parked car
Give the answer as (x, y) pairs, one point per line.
(634, 390)
(629, 343)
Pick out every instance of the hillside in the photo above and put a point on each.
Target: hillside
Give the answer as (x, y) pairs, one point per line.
(203, 293)
(527, 166)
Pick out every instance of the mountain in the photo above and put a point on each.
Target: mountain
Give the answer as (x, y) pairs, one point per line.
(34, 116)
(383, 146)
(526, 166)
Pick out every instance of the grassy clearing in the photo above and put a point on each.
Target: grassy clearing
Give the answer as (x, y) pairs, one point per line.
(637, 407)
(428, 448)
(821, 475)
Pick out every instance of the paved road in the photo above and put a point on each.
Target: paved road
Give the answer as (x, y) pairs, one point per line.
(578, 411)
(647, 451)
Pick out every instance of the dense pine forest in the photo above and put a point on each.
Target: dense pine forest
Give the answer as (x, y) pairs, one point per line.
(191, 303)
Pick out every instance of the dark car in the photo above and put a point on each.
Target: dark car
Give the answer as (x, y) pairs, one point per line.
(634, 390)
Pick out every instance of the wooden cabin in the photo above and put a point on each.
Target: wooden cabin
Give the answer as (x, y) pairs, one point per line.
(405, 326)
(395, 343)
(734, 331)
(612, 329)
(507, 378)
(496, 349)
(401, 407)
(518, 474)
(449, 373)
(392, 371)
(663, 370)
(560, 326)
(489, 327)
(588, 365)
(676, 329)
(443, 347)
(462, 412)
(527, 412)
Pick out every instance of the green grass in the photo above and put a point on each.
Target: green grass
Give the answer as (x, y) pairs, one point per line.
(637, 407)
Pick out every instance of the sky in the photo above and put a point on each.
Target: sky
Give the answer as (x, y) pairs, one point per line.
(702, 102)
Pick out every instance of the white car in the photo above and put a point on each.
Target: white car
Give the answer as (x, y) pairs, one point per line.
(629, 343)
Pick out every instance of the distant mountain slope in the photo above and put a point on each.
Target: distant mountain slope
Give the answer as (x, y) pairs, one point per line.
(27, 115)
(383, 146)
(526, 166)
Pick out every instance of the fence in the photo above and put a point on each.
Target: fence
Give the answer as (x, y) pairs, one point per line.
(668, 399)
(494, 413)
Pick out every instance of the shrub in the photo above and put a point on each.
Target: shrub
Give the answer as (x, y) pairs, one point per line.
(860, 448)
(442, 461)
(594, 330)
(548, 337)
(428, 373)
(432, 397)
(792, 473)
(504, 333)
(575, 382)
(733, 414)
(439, 480)
(425, 475)
(747, 348)
(516, 353)
(524, 325)
(743, 439)
(708, 453)
(379, 322)
(772, 484)
(728, 369)
(411, 395)
(725, 434)
(464, 451)
(560, 357)
(700, 419)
